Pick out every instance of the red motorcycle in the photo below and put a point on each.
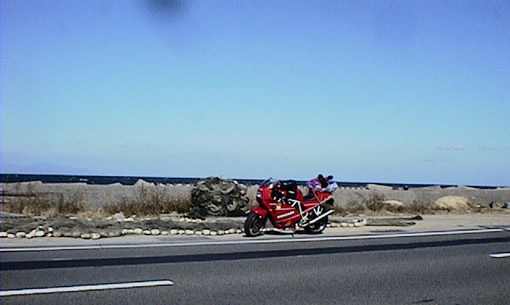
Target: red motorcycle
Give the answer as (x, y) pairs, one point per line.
(283, 203)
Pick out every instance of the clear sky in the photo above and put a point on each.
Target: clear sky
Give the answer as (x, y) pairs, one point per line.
(369, 91)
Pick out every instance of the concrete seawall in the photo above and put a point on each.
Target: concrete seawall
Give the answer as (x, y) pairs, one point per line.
(94, 197)
(425, 195)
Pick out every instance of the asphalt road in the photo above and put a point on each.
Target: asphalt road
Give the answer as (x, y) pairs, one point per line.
(280, 269)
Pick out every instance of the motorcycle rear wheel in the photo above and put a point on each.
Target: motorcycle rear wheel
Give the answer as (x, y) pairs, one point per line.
(254, 224)
(317, 227)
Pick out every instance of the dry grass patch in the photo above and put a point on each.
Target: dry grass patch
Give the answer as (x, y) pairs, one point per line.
(151, 200)
(51, 205)
(420, 207)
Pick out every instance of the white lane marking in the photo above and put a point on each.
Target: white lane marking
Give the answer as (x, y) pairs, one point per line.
(249, 241)
(500, 255)
(85, 288)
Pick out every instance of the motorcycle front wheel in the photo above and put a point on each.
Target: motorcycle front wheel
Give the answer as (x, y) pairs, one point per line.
(254, 224)
(317, 227)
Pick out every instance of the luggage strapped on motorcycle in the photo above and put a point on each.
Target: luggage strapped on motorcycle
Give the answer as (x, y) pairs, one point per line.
(321, 185)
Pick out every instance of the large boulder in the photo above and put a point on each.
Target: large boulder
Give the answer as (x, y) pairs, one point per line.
(219, 197)
(394, 205)
(453, 203)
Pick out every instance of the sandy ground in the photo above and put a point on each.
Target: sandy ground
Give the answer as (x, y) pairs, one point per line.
(440, 223)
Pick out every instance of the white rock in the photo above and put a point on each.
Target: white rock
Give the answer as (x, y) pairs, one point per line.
(174, 231)
(206, 232)
(164, 232)
(49, 235)
(21, 234)
(147, 232)
(118, 216)
(3, 234)
(198, 233)
(214, 233)
(131, 231)
(189, 232)
(328, 225)
(231, 231)
(124, 231)
(95, 236)
(39, 233)
(364, 221)
(343, 224)
(239, 231)
(11, 236)
(155, 231)
(129, 219)
(138, 231)
(50, 229)
(181, 232)
(56, 234)
(221, 232)
(351, 225)
(85, 236)
(357, 224)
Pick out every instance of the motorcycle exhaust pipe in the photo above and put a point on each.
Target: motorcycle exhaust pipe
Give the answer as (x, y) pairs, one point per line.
(319, 218)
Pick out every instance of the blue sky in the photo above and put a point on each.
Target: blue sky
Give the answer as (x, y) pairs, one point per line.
(383, 91)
